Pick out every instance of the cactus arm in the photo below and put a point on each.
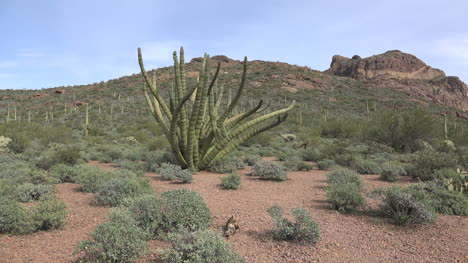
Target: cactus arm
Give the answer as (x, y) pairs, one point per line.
(152, 87)
(240, 117)
(156, 112)
(219, 146)
(173, 131)
(251, 133)
(179, 71)
(233, 103)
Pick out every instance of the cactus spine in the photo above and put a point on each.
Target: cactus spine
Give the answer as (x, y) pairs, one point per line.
(198, 130)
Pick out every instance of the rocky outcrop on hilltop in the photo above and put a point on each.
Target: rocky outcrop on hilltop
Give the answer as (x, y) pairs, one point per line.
(404, 72)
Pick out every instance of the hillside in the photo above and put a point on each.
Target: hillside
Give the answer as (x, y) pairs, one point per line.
(390, 80)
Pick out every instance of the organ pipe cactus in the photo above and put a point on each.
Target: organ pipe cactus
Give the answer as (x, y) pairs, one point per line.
(198, 129)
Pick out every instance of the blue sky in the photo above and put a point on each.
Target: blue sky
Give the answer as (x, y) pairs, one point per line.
(51, 43)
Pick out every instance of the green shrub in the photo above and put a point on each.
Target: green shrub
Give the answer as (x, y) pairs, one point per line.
(14, 219)
(66, 174)
(392, 171)
(153, 160)
(403, 129)
(184, 209)
(363, 166)
(173, 172)
(28, 192)
(346, 159)
(268, 170)
(231, 181)
(202, 246)
(405, 209)
(343, 176)
(114, 191)
(115, 243)
(146, 210)
(91, 178)
(304, 230)
(69, 155)
(227, 165)
(49, 214)
(428, 161)
(7, 188)
(251, 159)
(297, 165)
(345, 197)
(312, 154)
(130, 165)
(326, 164)
(121, 215)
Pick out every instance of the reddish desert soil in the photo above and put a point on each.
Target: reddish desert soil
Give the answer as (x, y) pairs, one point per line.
(357, 237)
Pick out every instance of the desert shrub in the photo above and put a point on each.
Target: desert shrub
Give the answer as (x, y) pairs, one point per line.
(91, 178)
(146, 210)
(227, 165)
(339, 128)
(346, 159)
(69, 155)
(202, 246)
(297, 165)
(130, 165)
(66, 174)
(312, 154)
(268, 170)
(14, 219)
(121, 215)
(326, 164)
(153, 160)
(173, 172)
(402, 130)
(251, 159)
(115, 243)
(343, 176)
(184, 209)
(7, 188)
(114, 191)
(392, 171)
(231, 181)
(49, 214)
(381, 158)
(28, 192)
(42, 177)
(304, 230)
(405, 209)
(363, 166)
(428, 161)
(345, 197)
(375, 148)
(441, 174)
(436, 195)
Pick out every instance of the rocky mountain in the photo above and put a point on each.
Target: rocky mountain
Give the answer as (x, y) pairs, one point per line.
(405, 72)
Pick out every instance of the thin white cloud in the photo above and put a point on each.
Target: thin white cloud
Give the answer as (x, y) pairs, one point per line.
(455, 46)
(8, 64)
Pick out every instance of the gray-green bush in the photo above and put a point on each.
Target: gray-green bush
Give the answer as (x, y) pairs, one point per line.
(231, 181)
(342, 176)
(345, 197)
(269, 170)
(172, 172)
(114, 191)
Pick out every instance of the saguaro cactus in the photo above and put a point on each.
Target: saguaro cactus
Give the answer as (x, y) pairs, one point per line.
(199, 131)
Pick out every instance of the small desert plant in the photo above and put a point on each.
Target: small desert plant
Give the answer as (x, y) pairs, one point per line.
(146, 210)
(342, 176)
(231, 181)
(202, 246)
(115, 243)
(130, 165)
(345, 197)
(428, 161)
(184, 209)
(405, 209)
(251, 159)
(173, 172)
(326, 164)
(364, 166)
(228, 165)
(297, 165)
(392, 171)
(121, 215)
(66, 174)
(269, 170)
(14, 219)
(28, 192)
(91, 178)
(114, 191)
(304, 230)
(49, 214)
